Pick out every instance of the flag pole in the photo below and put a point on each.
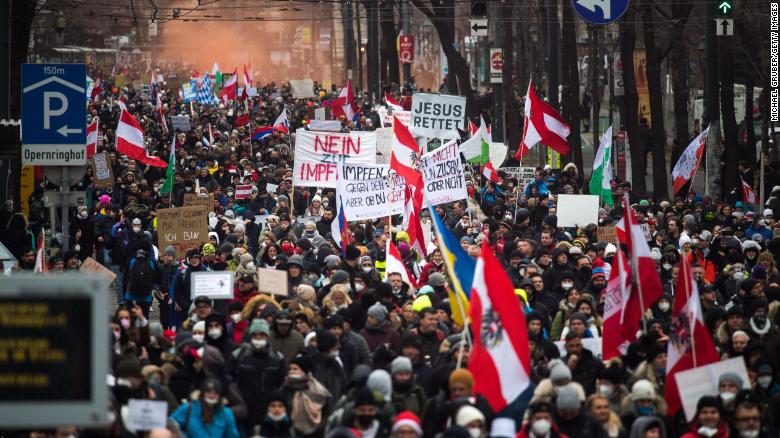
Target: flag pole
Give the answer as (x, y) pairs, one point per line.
(687, 278)
(635, 269)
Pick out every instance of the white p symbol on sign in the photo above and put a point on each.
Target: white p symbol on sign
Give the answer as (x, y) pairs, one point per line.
(48, 112)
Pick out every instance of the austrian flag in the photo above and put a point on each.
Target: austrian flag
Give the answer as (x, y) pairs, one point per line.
(542, 124)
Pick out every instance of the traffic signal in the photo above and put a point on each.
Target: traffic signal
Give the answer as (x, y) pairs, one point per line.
(478, 8)
(725, 8)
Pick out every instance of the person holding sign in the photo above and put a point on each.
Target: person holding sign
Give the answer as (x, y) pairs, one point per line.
(207, 416)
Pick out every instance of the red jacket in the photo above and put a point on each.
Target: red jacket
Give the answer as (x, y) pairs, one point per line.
(723, 431)
(526, 433)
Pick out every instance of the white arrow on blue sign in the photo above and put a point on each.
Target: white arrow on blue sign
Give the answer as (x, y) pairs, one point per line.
(600, 11)
(54, 114)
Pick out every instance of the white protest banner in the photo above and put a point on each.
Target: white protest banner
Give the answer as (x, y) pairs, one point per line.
(189, 91)
(524, 175)
(697, 382)
(437, 115)
(387, 118)
(325, 125)
(272, 281)
(577, 210)
(251, 91)
(384, 144)
(364, 191)
(317, 155)
(217, 285)
(91, 265)
(302, 88)
(271, 188)
(443, 175)
(319, 114)
(146, 414)
(181, 122)
(243, 191)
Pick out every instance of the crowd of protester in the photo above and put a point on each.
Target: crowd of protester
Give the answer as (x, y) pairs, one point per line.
(351, 350)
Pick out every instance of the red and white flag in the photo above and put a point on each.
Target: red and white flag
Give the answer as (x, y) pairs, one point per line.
(500, 359)
(690, 342)
(345, 103)
(229, 87)
(392, 103)
(92, 137)
(411, 219)
(242, 119)
(688, 163)
(748, 194)
(617, 292)
(645, 282)
(243, 191)
(41, 264)
(489, 172)
(542, 124)
(282, 124)
(248, 82)
(96, 90)
(130, 141)
(405, 152)
(122, 103)
(395, 264)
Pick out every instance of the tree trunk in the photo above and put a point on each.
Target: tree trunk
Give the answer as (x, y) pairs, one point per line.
(680, 72)
(731, 153)
(570, 78)
(390, 69)
(511, 108)
(631, 118)
(657, 131)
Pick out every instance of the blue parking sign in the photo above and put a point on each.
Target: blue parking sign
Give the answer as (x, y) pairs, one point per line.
(54, 114)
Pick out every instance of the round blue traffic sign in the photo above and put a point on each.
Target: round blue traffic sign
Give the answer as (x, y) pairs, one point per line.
(600, 11)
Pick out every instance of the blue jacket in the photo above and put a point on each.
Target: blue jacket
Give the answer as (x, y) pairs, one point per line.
(223, 426)
(541, 188)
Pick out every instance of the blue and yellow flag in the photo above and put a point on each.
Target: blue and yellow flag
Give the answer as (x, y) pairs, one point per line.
(460, 269)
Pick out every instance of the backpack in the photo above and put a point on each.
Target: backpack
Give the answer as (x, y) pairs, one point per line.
(141, 277)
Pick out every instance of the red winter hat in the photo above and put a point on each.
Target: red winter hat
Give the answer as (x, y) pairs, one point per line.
(407, 418)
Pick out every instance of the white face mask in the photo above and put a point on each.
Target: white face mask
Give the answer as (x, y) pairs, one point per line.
(567, 285)
(123, 382)
(333, 353)
(359, 287)
(748, 433)
(475, 432)
(215, 333)
(606, 390)
(541, 427)
(260, 344)
(137, 229)
(279, 417)
(211, 401)
(83, 214)
(236, 317)
(666, 266)
(366, 269)
(664, 307)
(764, 381)
(198, 338)
(188, 189)
(727, 397)
(707, 431)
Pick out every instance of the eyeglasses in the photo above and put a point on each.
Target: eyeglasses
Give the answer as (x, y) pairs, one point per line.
(754, 419)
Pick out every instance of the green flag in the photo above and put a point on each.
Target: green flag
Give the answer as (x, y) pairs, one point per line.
(476, 149)
(602, 170)
(169, 174)
(217, 77)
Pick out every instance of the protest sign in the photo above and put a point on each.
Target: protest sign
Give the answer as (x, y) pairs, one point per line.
(384, 144)
(577, 210)
(92, 265)
(437, 115)
(306, 219)
(181, 123)
(474, 206)
(317, 155)
(607, 233)
(251, 91)
(364, 191)
(524, 175)
(243, 191)
(272, 281)
(646, 231)
(325, 125)
(387, 117)
(443, 175)
(189, 91)
(216, 285)
(194, 199)
(497, 153)
(146, 414)
(697, 382)
(302, 88)
(319, 114)
(184, 228)
(101, 169)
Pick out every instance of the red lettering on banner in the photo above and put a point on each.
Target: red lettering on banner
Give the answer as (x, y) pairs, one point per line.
(336, 144)
(317, 172)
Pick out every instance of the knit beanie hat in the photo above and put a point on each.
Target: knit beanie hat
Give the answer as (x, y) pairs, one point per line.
(259, 326)
(462, 375)
(381, 382)
(401, 364)
(407, 418)
(467, 414)
(378, 311)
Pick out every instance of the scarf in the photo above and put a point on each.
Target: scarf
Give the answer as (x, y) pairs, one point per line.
(307, 405)
(760, 331)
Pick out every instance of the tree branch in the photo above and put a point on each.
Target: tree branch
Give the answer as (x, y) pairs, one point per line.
(424, 9)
